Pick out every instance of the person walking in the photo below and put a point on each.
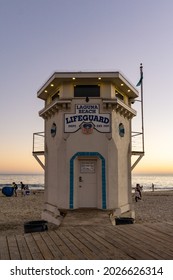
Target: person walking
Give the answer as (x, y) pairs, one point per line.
(138, 194)
(14, 185)
(22, 188)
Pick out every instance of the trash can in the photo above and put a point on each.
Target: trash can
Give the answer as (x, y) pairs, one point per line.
(35, 226)
(124, 220)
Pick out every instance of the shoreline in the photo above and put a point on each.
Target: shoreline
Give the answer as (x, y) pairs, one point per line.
(154, 207)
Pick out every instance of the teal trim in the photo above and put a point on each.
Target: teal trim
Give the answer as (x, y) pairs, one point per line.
(91, 154)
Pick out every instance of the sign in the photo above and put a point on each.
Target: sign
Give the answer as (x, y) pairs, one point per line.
(87, 118)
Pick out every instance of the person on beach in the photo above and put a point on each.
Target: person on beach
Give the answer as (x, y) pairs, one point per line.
(27, 191)
(22, 188)
(14, 185)
(152, 186)
(138, 194)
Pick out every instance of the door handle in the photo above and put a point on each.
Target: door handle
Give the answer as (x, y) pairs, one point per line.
(80, 186)
(80, 179)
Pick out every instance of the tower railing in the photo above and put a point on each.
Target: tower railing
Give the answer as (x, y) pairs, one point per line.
(38, 142)
(38, 149)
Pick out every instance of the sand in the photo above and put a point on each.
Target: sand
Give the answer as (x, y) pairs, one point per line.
(155, 207)
(15, 211)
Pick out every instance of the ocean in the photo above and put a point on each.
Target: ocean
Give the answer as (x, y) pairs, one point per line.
(36, 181)
(161, 182)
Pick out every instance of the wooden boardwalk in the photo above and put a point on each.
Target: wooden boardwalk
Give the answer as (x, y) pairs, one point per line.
(135, 241)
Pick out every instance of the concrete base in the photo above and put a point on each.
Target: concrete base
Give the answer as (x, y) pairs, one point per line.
(117, 213)
(51, 217)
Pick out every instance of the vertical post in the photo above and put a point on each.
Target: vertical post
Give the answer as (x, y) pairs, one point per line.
(142, 109)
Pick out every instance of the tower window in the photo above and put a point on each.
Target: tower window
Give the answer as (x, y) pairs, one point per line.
(119, 95)
(86, 91)
(56, 95)
(121, 130)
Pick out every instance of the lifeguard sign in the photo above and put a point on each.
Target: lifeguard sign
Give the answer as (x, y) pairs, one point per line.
(87, 118)
(87, 142)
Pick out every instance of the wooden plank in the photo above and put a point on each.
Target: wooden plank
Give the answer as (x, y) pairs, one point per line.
(34, 250)
(68, 243)
(118, 241)
(13, 248)
(157, 236)
(143, 244)
(113, 253)
(95, 246)
(84, 245)
(46, 253)
(57, 254)
(137, 241)
(67, 253)
(23, 248)
(4, 251)
(157, 241)
(74, 244)
(163, 228)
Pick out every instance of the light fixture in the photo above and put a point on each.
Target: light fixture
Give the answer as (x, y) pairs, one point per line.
(74, 78)
(52, 85)
(128, 90)
(45, 90)
(122, 85)
(99, 78)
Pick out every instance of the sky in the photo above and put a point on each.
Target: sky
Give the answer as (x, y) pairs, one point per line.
(39, 37)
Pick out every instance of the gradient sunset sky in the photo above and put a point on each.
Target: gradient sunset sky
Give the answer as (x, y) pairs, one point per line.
(39, 37)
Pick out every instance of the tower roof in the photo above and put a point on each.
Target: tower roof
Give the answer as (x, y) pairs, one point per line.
(115, 78)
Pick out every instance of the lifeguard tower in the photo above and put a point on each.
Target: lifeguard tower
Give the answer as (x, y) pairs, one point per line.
(87, 142)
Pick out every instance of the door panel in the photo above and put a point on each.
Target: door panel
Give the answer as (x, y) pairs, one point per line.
(87, 185)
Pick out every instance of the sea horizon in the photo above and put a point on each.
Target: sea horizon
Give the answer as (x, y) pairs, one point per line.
(36, 180)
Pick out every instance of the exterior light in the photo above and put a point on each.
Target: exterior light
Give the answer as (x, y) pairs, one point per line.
(74, 78)
(45, 90)
(122, 85)
(52, 85)
(128, 90)
(99, 78)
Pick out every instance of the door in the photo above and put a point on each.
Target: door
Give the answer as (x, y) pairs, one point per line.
(87, 183)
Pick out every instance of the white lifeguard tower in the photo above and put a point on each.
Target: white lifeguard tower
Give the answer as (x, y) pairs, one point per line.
(87, 142)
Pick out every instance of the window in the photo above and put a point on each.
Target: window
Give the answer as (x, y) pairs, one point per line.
(121, 130)
(119, 95)
(53, 130)
(56, 95)
(86, 91)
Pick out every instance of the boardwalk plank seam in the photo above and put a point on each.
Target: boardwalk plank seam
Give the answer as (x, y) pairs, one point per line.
(92, 246)
(13, 248)
(84, 244)
(143, 244)
(34, 250)
(4, 249)
(44, 250)
(68, 254)
(115, 251)
(74, 244)
(52, 245)
(153, 235)
(23, 247)
(116, 240)
(94, 240)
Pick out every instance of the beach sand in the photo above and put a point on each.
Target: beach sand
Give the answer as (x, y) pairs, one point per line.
(15, 211)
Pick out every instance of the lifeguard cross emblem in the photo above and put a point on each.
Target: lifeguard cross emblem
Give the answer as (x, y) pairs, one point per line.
(87, 128)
